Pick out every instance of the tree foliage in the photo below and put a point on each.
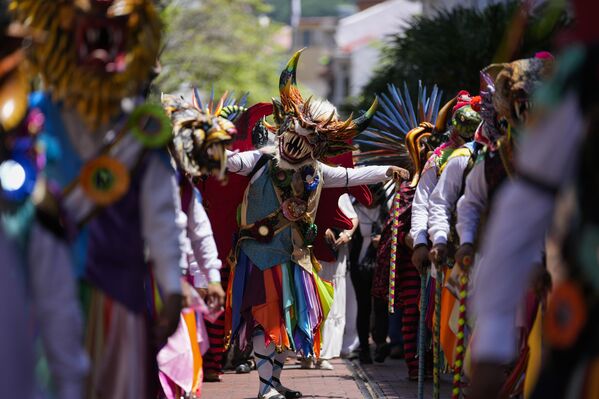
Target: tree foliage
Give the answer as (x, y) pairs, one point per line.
(225, 44)
(451, 48)
(281, 9)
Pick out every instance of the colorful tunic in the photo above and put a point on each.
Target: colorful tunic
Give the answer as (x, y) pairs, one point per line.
(273, 285)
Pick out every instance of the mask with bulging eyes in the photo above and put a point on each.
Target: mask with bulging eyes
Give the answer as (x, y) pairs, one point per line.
(465, 120)
(515, 84)
(200, 134)
(95, 52)
(310, 130)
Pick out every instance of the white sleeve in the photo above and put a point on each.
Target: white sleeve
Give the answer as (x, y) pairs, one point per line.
(521, 215)
(425, 187)
(202, 242)
(350, 177)
(242, 163)
(443, 199)
(472, 204)
(56, 307)
(347, 207)
(163, 224)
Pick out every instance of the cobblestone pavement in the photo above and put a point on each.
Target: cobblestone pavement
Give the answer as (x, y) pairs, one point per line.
(347, 380)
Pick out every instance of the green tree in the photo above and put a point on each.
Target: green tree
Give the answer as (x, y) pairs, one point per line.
(451, 48)
(310, 8)
(225, 44)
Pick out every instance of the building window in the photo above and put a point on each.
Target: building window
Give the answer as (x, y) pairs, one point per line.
(307, 38)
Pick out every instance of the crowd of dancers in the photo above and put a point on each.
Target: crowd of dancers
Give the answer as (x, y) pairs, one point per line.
(141, 240)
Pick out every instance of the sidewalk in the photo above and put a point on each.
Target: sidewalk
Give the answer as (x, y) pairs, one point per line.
(390, 380)
(336, 383)
(348, 380)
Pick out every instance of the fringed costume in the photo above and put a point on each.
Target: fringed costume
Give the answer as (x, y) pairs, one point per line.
(276, 298)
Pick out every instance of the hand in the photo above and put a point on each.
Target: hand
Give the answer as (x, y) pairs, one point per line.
(427, 125)
(487, 380)
(464, 257)
(329, 236)
(168, 320)
(376, 240)
(420, 257)
(398, 173)
(343, 239)
(216, 295)
(189, 294)
(202, 292)
(438, 254)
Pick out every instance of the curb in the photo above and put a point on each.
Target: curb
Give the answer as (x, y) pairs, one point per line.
(368, 388)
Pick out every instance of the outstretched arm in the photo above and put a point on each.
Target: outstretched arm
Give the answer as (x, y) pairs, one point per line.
(242, 163)
(351, 177)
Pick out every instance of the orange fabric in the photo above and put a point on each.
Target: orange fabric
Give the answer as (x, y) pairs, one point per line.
(229, 304)
(449, 307)
(270, 315)
(190, 322)
(317, 343)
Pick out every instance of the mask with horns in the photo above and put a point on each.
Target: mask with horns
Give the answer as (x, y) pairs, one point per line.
(309, 130)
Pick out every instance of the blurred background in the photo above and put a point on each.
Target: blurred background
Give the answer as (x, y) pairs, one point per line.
(354, 47)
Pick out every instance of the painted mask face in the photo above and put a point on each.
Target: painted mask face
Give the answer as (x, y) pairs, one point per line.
(96, 53)
(310, 130)
(514, 86)
(200, 135)
(465, 120)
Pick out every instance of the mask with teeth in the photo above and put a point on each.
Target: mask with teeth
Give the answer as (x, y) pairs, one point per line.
(201, 134)
(515, 84)
(96, 52)
(309, 130)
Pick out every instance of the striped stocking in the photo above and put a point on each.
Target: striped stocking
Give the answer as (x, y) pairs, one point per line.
(264, 363)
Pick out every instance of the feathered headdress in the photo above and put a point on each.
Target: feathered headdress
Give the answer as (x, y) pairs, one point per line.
(400, 130)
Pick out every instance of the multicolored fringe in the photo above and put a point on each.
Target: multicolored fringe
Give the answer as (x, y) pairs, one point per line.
(393, 251)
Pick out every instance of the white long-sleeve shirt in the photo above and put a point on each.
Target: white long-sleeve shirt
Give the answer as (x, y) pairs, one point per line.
(243, 163)
(521, 216)
(163, 228)
(444, 198)
(202, 254)
(420, 203)
(56, 307)
(472, 204)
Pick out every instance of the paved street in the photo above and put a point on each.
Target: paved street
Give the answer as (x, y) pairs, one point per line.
(387, 380)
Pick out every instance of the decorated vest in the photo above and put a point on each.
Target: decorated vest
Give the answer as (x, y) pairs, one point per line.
(108, 247)
(277, 216)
